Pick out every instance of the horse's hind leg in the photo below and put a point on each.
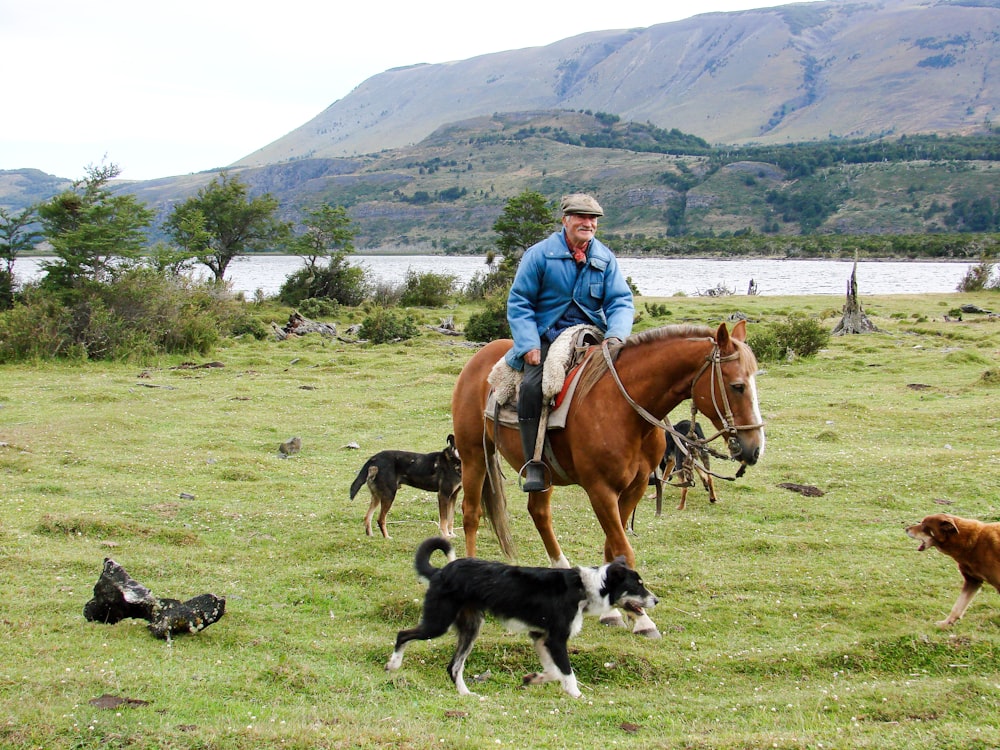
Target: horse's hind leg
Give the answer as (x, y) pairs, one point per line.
(540, 508)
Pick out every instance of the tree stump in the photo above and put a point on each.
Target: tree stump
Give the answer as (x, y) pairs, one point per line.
(117, 596)
(854, 319)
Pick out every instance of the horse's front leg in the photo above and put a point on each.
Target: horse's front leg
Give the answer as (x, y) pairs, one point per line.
(540, 508)
(612, 512)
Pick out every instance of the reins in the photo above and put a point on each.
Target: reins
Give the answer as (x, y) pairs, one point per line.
(713, 364)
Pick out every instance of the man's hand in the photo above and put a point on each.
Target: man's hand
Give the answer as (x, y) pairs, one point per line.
(534, 357)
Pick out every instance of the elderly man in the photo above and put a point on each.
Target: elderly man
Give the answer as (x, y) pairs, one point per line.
(567, 279)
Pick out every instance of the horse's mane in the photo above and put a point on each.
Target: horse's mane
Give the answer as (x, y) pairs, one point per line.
(597, 366)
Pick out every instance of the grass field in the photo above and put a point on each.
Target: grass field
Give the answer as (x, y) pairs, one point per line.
(788, 621)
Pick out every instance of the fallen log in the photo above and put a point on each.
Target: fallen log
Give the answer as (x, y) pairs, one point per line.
(118, 596)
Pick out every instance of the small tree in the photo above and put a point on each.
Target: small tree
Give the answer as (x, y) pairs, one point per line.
(526, 219)
(95, 234)
(222, 221)
(18, 234)
(327, 231)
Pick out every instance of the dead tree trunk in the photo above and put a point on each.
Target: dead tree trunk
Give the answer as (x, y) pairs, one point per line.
(854, 319)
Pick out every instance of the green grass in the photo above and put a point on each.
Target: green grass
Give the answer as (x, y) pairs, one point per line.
(788, 621)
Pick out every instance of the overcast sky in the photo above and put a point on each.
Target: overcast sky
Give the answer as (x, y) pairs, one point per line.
(162, 89)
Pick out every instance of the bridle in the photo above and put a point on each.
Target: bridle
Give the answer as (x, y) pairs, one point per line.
(712, 365)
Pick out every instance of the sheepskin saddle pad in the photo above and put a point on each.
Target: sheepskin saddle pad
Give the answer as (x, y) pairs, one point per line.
(565, 353)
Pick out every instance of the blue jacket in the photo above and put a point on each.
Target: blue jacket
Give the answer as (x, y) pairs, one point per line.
(548, 280)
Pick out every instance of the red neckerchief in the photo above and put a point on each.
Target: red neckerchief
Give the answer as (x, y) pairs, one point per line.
(580, 255)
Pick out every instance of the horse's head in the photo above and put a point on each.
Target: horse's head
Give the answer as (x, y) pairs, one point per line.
(726, 393)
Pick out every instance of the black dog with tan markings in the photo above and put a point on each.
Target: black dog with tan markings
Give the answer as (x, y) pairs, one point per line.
(387, 471)
(547, 603)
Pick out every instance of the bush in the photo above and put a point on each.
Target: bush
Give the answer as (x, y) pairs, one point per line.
(383, 326)
(338, 281)
(427, 289)
(386, 293)
(142, 313)
(6, 289)
(977, 278)
(319, 307)
(491, 324)
(797, 335)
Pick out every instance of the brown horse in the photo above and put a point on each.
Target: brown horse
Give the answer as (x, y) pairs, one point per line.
(614, 432)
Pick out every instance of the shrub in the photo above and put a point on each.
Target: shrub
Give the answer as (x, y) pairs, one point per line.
(338, 280)
(490, 324)
(386, 293)
(142, 313)
(797, 335)
(317, 307)
(6, 289)
(427, 289)
(977, 278)
(382, 326)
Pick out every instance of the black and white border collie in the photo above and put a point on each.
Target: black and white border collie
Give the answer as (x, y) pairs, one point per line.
(547, 603)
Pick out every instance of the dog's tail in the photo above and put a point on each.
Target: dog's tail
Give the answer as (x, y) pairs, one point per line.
(361, 478)
(422, 560)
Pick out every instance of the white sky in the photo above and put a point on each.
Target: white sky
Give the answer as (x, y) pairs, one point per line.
(168, 88)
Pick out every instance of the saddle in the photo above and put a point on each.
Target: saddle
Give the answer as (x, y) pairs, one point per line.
(563, 366)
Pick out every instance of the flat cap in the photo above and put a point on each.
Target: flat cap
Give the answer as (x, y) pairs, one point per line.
(581, 203)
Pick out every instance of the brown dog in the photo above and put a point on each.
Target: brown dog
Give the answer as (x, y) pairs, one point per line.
(974, 545)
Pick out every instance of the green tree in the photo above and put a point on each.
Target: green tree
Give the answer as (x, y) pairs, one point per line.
(327, 232)
(526, 219)
(18, 234)
(222, 221)
(95, 234)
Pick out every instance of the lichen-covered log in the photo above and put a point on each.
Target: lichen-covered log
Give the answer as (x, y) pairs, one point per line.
(191, 616)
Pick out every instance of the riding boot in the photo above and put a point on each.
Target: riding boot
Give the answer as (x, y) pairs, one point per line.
(534, 471)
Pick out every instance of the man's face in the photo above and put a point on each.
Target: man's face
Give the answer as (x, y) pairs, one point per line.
(580, 228)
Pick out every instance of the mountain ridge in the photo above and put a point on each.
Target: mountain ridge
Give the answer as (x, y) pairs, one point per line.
(787, 73)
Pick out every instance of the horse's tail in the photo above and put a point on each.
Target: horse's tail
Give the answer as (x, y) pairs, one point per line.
(494, 504)
(360, 479)
(422, 560)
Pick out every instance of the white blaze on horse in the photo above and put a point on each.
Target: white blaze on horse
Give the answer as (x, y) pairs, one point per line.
(614, 433)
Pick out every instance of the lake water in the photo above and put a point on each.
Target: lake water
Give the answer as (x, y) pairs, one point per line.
(654, 277)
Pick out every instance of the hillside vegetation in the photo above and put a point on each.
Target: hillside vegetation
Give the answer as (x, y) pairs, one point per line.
(663, 191)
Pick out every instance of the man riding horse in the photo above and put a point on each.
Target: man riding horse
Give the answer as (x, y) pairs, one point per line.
(569, 278)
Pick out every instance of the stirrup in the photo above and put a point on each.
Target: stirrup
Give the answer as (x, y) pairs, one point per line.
(533, 477)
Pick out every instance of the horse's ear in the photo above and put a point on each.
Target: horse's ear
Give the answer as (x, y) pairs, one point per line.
(739, 331)
(722, 337)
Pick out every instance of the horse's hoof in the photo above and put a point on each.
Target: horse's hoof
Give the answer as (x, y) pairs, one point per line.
(653, 633)
(613, 621)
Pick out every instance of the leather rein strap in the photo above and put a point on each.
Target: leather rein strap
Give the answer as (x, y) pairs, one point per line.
(713, 364)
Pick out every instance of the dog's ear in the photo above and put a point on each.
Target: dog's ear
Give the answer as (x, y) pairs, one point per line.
(621, 559)
(947, 528)
(451, 440)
